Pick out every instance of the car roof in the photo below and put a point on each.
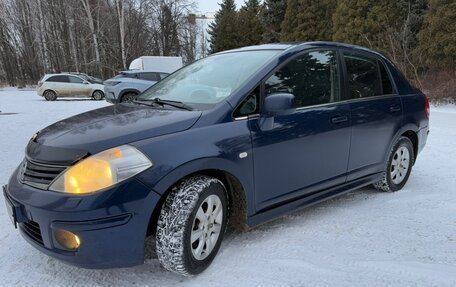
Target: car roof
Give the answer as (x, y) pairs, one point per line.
(62, 74)
(302, 46)
(139, 72)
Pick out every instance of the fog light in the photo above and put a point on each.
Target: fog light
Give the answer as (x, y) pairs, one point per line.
(67, 239)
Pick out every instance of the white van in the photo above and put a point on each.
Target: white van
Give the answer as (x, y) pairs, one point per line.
(160, 64)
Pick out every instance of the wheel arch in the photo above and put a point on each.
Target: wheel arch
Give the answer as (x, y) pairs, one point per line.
(126, 91)
(413, 137)
(409, 131)
(50, 90)
(237, 198)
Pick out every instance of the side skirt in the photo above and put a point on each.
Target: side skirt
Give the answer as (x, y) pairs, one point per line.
(309, 200)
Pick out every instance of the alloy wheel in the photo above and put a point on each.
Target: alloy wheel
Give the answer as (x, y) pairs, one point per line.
(207, 226)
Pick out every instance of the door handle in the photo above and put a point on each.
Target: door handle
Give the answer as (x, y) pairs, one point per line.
(395, 109)
(339, 119)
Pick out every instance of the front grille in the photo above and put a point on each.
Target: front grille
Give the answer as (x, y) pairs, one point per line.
(32, 230)
(40, 175)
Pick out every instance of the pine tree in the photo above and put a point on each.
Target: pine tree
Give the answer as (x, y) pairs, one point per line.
(366, 22)
(250, 26)
(308, 20)
(223, 31)
(437, 38)
(272, 15)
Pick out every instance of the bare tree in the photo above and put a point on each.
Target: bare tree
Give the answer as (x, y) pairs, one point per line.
(88, 10)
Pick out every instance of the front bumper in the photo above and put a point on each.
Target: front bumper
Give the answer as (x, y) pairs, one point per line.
(112, 225)
(111, 95)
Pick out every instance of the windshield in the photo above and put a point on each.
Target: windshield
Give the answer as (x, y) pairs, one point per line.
(209, 80)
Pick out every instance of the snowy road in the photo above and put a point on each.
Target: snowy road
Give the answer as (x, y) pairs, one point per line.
(364, 238)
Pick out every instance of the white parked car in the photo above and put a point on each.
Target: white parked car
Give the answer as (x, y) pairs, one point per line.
(53, 86)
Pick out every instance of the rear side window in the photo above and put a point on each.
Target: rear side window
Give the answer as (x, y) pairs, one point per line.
(58, 79)
(75, 80)
(149, 76)
(363, 76)
(163, 75)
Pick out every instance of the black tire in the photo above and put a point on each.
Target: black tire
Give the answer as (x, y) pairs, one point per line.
(128, 98)
(387, 184)
(50, 95)
(177, 220)
(98, 95)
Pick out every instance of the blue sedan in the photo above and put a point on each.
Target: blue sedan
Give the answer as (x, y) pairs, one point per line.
(239, 138)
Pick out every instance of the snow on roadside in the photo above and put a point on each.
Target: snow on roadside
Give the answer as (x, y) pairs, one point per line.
(444, 108)
(364, 238)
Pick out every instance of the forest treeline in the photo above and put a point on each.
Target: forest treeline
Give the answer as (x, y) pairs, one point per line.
(101, 37)
(419, 36)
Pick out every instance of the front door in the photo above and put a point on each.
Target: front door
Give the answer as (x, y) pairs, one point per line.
(308, 150)
(78, 88)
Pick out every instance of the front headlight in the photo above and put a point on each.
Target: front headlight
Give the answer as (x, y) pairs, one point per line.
(101, 170)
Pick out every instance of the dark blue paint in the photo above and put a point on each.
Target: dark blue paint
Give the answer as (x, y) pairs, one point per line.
(374, 124)
(295, 158)
(305, 150)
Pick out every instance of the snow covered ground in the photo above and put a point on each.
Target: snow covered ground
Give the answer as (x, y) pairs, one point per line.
(364, 238)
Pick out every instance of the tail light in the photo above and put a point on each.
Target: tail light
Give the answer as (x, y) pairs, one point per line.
(428, 109)
(40, 84)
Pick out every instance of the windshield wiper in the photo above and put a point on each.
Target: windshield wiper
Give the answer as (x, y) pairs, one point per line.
(176, 104)
(146, 103)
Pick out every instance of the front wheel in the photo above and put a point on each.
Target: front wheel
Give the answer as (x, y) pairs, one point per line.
(191, 225)
(398, 167)
(128, 98)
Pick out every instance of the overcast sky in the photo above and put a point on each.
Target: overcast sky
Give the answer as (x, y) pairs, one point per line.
(212, 5)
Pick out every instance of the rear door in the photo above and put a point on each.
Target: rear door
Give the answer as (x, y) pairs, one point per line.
(308, 150)
(59, 84)
(376, 112)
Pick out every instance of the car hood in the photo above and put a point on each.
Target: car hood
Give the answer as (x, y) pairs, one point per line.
(69, 140)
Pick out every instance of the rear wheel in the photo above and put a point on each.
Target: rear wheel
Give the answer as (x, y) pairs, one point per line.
(128, 98)
(98, 95)
(398, 167)
(191, 225)
(50, 95)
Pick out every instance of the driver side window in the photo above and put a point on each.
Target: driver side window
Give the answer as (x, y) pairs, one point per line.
(313, 78)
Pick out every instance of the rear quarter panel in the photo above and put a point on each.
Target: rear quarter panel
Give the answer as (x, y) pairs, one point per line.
(414, 106)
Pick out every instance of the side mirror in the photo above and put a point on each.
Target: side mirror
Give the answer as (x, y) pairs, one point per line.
(85, 83)
(278, 104)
